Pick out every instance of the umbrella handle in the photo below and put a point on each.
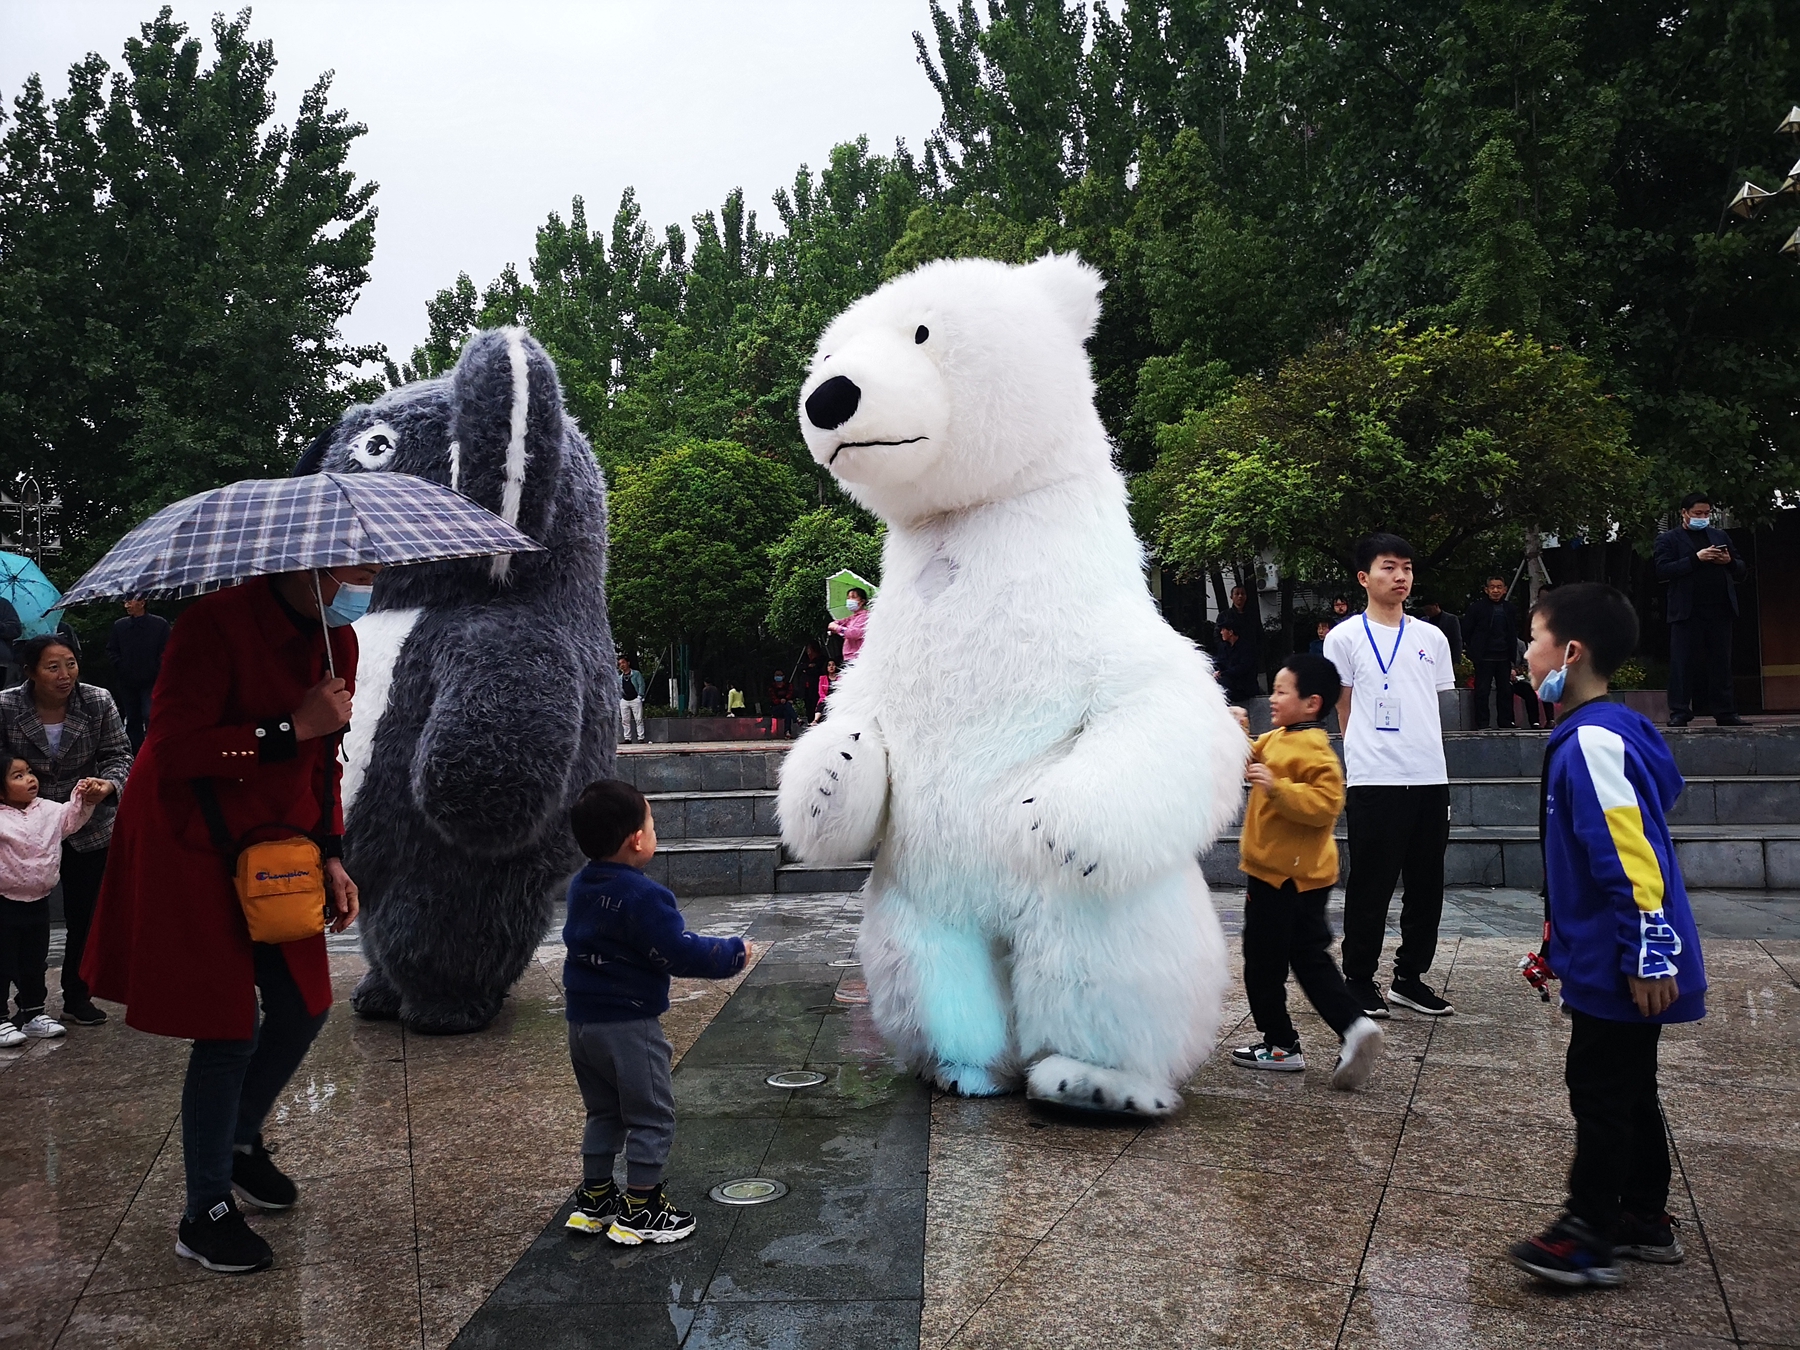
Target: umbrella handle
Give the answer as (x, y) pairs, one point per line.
(319, 595)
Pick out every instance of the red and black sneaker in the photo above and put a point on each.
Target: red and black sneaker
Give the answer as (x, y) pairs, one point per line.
(1651, 1240)
(1567, 1253)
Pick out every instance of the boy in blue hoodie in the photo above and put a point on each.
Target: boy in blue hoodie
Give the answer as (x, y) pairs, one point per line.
(1621, 939)
(625, 938)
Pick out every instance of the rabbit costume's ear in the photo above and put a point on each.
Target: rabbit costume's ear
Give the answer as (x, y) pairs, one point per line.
(506, 429)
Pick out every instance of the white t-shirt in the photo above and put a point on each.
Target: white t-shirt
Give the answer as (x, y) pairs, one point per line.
(1395, 738)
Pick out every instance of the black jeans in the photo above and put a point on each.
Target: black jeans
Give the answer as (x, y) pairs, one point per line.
(1395, 833)
(81, 876)
(134, 705)
(1535, 713)
(1700, 663)
(231, 1085)
(1286, 930)
(1498, 675)
(24, 948)
(1621, 1143)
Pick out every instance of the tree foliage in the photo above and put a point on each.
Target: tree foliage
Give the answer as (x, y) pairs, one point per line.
(172, 274)
(1446, 437)
(817, 545)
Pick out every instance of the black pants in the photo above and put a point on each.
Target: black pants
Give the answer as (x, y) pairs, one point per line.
(1286, 930)
(1395, 833)
(1700, 663)
(1621, 1143)
(1498, 676)
(231, 1085)
(134, 706)
(81, 876)
(24, 948)
(1534, 711)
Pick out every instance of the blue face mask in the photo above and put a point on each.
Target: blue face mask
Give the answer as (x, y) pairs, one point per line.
(1699, 522)
(348, 605)
(1551, 690)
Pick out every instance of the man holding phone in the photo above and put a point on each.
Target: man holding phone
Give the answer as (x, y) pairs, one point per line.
(1702, 570)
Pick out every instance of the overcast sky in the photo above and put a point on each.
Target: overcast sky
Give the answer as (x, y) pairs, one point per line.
(485, 117)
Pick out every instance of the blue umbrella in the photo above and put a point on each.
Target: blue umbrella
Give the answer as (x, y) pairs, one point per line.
(266, 525)
(24, 584)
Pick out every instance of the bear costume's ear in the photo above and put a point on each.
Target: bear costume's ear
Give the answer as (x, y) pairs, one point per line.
(1072, 287)
(506, 427)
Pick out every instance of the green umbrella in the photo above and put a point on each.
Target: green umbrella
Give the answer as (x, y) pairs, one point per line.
(837, 592)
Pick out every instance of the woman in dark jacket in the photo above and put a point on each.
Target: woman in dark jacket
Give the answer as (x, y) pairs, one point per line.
(67, 731)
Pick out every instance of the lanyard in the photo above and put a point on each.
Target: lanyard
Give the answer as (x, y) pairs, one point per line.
(1393, 655)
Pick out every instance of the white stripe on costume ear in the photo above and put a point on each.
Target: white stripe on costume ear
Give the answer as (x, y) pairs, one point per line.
(514, 488)
(455, 465)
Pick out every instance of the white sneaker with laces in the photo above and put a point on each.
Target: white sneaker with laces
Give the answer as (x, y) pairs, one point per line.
(1356, 1060)
(41, 1028)
(10, 1035)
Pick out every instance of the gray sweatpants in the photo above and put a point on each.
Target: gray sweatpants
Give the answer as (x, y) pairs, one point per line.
(623, 1071)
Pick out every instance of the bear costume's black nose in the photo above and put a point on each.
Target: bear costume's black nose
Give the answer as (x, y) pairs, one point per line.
(833, 403)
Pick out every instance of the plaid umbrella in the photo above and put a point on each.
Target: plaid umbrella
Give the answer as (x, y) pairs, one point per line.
(266, 525)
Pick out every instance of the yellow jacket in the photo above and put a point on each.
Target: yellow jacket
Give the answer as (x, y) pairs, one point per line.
(1287, 828)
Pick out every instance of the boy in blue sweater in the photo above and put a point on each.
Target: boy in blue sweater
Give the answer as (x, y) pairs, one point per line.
(1621, 939)
(625, 939)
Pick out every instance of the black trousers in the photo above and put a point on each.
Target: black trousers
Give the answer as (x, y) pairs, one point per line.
(1534, 711)
(1621, 1142)
(1395, 833)
(1286, 930)
(24, 947)
(81, 876)
(1700, 663)
(232, 1085)
(1497, 676)
(134, 705)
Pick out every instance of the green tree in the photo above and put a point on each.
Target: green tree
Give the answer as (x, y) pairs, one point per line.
(817, 545)
(172, 274)
(1450, 438)
(691, 532)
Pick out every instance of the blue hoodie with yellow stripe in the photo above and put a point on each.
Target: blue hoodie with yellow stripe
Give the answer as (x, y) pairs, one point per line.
(1618, 905)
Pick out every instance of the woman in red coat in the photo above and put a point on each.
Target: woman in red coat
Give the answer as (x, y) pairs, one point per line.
(244, 700)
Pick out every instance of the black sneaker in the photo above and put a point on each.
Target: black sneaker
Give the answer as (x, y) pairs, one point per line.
(220, 1240)
(1409, 991)
(1262, 1055)
(1567, 1253)
(1651, 1240)
(255, 1176)
(651, 1219)
(83, 1014)
(1368, 998)
(595, 1207)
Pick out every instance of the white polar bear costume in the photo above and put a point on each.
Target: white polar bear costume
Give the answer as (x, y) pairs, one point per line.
(1040, 757)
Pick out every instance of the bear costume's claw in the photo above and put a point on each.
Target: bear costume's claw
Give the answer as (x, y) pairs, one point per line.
(833, 799)
(968, 1081)
(1087, 1087)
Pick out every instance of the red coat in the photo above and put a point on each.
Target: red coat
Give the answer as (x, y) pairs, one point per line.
(168, 939)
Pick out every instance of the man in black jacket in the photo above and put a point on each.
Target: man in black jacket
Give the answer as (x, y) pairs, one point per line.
(1702, 571)
(136, 647)
(1490, 634)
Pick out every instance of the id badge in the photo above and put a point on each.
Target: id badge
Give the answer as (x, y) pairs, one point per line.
(1387, 714)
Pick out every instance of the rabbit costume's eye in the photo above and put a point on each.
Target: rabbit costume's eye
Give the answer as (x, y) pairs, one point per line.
(375, 447)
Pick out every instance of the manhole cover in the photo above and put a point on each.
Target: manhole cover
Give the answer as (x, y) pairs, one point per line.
(749, 1191)
(847, 961)
(795, 1078)
(855, 992)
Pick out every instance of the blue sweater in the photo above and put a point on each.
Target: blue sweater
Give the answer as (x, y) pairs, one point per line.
(626, 938)
(1618, 905)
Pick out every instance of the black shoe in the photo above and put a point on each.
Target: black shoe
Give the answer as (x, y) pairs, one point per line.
(1368, 998)
(649, 1219)
(255, 1176)
(1651, 1240)
(220, 1240)
(1731, 720)
(1568, 1253)
(82, 1014)
(1409, 991)
(1680, 719)
(595, 1208)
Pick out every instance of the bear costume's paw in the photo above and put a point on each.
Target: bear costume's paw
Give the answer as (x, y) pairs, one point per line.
(966, 1080)
(833, 797)
(1087, 1087)
(1061, 848)
(376, 998)
(450, 1019)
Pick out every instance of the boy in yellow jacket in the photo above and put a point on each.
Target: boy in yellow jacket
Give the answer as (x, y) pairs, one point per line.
(1291, 861)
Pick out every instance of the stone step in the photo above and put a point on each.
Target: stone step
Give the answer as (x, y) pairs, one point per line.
(701, 768)
(734, 865)
(1770, 751)
(1734, 800)
(713, 815)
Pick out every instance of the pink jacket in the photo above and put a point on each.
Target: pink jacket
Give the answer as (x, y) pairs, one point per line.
(31, 845)
(851, 630)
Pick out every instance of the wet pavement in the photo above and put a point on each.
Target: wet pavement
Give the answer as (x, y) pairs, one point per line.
(1271, 1212)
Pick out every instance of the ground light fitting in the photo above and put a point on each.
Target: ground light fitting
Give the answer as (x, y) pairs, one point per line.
(795, 1078)
(748, 1191)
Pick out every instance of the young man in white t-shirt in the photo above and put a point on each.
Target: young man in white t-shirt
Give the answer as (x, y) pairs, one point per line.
(1398, 798)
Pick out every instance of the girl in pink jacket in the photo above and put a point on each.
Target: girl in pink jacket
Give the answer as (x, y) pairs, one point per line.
(31, 835)
(851, 629)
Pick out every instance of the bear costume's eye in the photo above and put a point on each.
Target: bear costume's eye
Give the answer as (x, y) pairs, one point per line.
(375, 446)
(921, 333)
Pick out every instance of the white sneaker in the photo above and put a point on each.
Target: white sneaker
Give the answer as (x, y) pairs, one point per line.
(10, 1035)
(42, 1028)
(1356, 1060)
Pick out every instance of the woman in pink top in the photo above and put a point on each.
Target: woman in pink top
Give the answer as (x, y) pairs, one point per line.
(826, 680)
(851, 629)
